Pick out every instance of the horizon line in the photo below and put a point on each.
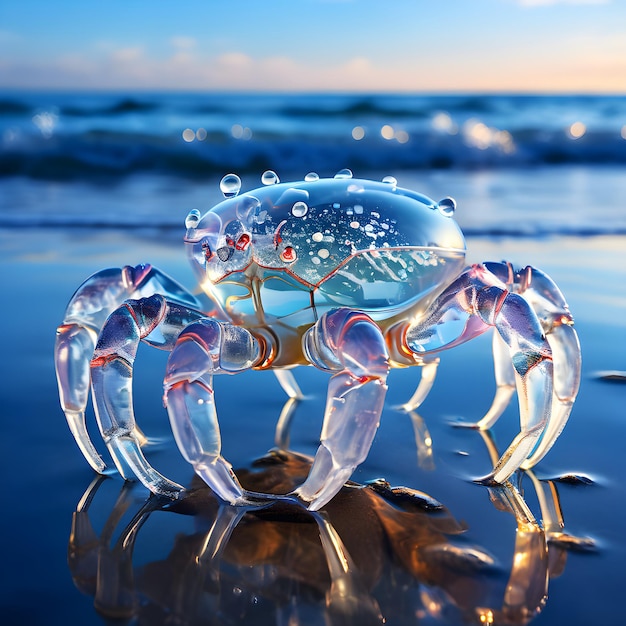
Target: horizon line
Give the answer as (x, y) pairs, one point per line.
(303, 92)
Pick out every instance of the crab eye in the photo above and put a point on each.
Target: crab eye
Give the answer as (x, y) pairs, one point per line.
(243, 242)
(288, 255)
(206, 249)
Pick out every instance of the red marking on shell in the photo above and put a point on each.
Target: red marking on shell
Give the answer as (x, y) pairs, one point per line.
(277, 238)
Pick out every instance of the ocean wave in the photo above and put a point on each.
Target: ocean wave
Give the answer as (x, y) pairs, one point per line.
(116, 221)
(107, 135)
(305, 106)
(310, 105)
(100, 153)
(121, 107)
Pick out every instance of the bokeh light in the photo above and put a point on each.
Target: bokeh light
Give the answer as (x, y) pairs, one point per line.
(387, 132)
(442, 122)
(479, 135)
(401, 136)
(577, 130)
(46, 122)
(358, 132)
(189, 135)
(241, 132)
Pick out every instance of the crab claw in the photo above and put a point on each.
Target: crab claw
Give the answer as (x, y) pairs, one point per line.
(566, 357)
(72, 353)
(532, 360)
(85, 315)
(552, 311)
(476, 301)
(351, 344)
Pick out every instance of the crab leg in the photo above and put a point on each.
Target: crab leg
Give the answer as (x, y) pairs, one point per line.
(531, 357)
(203, 349)
(283, 425)
(467, 308)
(289, 384)
(76, 337)
(349, 343)
(111, 376)
(429, 372)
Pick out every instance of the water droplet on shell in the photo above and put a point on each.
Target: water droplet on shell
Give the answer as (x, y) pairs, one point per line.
(299, 209)
(230, 185)
(447, 207)
(192, 219)
(344, 173)
(269, 178)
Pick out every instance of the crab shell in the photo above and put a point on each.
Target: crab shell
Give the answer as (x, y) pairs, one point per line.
(291, 251)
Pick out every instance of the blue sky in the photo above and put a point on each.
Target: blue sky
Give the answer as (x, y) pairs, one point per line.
(313, 45)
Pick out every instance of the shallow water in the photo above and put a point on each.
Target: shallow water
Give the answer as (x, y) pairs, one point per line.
(92, 181)
(452, 577)
(528, 202)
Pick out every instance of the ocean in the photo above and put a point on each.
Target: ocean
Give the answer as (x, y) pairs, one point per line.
(95, 180)
(158, 145)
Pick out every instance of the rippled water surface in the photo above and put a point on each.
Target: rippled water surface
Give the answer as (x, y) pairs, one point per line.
(85, 553)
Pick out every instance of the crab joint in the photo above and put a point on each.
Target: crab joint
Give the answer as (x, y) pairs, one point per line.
(524, 361)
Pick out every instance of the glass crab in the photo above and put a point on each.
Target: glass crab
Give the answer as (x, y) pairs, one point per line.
(351, 276)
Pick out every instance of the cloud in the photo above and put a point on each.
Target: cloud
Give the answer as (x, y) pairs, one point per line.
(234, 60)
(128, 55)
(185, 66)
(183, 42)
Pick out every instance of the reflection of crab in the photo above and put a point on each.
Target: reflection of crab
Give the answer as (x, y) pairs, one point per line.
(376, 555)
(351, 276)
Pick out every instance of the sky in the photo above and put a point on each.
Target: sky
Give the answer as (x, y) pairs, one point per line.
(566, 46)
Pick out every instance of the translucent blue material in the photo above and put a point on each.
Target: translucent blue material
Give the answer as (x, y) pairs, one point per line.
(351, 276)
(340, 242)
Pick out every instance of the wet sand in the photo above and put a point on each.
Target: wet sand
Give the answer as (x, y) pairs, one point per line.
(464, 575)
